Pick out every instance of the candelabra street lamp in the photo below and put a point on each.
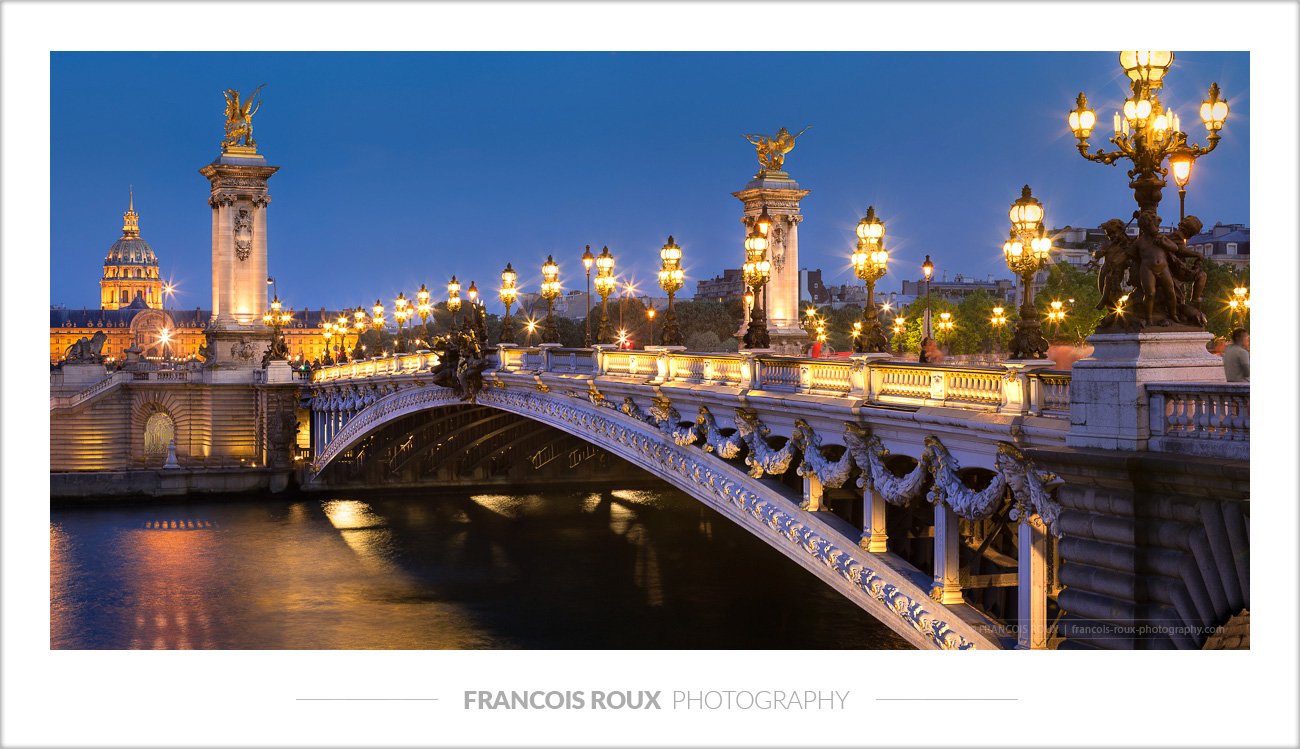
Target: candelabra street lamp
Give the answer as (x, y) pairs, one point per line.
(900, 328)
(508, 293)
(423, 308)
(1240, 305)
(378, 322)
(998, 321)
(453, 300)
(927, 270)
(401, 313)
(550, 292)
(946, 325)
(277, 318)
(327, 332)
(605, 284)
(757, 272)
(341, 328)
(1026, 252)
(870, 261)
(1146, 134)
(587, 260)
(671, 279)
(1056, 315)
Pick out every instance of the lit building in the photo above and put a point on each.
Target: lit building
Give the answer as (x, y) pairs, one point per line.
(130, 268)
(133, 313)
(729, 287)
(961, 287)
(1224, 243)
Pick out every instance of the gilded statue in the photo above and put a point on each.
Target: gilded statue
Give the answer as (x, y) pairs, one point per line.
(239, 119)
(772, 149)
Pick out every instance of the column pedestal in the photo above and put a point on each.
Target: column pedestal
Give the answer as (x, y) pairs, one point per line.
(780, 195)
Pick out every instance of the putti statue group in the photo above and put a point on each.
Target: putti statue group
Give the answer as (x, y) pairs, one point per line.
(1152, 279)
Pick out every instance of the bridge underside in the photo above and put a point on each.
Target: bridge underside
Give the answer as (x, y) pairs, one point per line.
(472, 445)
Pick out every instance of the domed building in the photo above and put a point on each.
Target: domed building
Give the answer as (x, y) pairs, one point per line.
(130, 268)
(133, 312)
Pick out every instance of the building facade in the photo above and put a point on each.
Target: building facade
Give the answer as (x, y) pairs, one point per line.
(130, 268)
(962, 286)
(728, 287)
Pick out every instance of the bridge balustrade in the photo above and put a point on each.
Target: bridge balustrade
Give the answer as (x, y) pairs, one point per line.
(889, 382)
(1200, 418)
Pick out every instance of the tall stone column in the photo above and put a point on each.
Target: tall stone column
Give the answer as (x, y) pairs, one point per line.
(780, 195)
(239, 198)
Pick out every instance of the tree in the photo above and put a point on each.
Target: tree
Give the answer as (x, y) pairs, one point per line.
(1066, 282)
(1220, 280)
(915, 316)
(974, 333)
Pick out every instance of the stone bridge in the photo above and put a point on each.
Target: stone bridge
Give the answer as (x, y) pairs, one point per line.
(945, 501)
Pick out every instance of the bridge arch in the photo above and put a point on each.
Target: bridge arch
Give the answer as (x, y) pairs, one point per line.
(893, 597)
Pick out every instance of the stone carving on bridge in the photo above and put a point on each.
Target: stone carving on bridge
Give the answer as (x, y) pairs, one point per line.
(1031, 489)
(243, 234)
(831, 474)
(726, 447)
(894, 489)
(86, 350)
(462, 358)
(948, 488)
(762, 458)
(1150, 280)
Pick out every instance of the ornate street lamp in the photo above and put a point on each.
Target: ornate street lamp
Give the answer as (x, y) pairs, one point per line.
(900, 327)
(341, 327)
(327, 332)
(401, 313)
(757, 272)
(1240, 305)
(927, 270)
(1056, 315)
(605, 283)
(945, 326)
(870, 260)
(671, 279)
(587, 260)
(453, 299)
(423, 308)
(1181, 162)
(650, 319)
(1026, 252)
(1146, 134)
(998, 321)
(550, 292)
(378, 322)
(508, 293)
(473, 293)
(360, 323)
(276, 317)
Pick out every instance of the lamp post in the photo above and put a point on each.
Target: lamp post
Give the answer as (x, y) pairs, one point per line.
(870, 261)
(1056, 315)
(341, 327)
(650, 319)
(605, 283)
(1240, 305)
(1181, 162)
(671, 279)
(277, 317)
(945, 326)
(757, 272)
(378, 322)
(998, 321)
(401, 313)
(550, 292)
(360, 323)
(327, 332)
(587, 260)
(453, 300)
(473, 293)
(1146, 134)
(927, 270)
(508, 293)
(423, 308)
(900, 328)
(1026, 252)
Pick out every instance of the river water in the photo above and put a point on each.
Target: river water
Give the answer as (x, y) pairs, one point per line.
(621, 569)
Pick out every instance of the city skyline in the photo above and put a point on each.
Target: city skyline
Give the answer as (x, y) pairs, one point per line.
(426, 165)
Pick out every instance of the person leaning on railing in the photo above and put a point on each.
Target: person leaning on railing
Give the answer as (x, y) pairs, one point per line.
(1236, 357)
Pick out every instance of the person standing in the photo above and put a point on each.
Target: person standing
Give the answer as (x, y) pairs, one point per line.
(1236, 357)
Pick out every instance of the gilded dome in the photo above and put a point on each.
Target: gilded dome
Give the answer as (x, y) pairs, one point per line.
(131, 249)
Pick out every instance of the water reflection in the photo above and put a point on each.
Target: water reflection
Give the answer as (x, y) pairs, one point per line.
(615, 569)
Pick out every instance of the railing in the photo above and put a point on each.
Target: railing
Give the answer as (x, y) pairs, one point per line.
(121, 376)
(1200, 418)
(889, 382)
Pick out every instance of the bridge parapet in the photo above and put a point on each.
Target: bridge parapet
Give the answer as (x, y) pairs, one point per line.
(1208, 419)
(979, 388)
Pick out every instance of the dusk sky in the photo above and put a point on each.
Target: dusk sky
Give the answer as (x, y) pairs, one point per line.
(398, 169)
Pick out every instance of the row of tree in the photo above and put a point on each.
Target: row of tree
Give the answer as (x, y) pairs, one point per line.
(712, 326)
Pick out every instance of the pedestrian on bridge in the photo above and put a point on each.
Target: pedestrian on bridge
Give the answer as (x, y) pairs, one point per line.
(1236, 357)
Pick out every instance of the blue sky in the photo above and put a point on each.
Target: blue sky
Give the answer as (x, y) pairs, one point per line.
(403, 168)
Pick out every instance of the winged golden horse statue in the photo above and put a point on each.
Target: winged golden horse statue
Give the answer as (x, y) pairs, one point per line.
(239, 119)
